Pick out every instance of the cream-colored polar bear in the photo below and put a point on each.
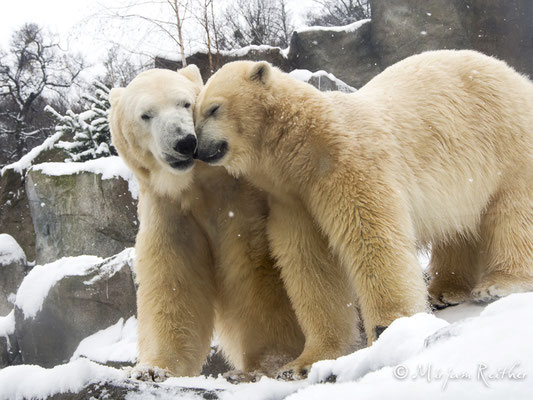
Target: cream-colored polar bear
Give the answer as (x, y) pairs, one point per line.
(202, 251)
(203, 261)
(436, 150)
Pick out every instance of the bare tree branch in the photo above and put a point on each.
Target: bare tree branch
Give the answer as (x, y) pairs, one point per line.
(33, 68)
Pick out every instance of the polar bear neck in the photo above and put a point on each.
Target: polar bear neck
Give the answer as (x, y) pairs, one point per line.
(294, 146)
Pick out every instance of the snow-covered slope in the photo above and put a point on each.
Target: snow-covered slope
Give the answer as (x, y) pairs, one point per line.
(464, 352)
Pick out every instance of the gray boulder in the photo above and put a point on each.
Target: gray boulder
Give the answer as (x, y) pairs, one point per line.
(12, 270)
(406, 27)
(401, 28)
(80, 214)
(9, 351)
(61, 303)
(346, 52)
(15, 215)
(501, 28)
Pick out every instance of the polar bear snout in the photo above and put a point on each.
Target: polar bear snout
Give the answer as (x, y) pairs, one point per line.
(186, 146)
(211, 152)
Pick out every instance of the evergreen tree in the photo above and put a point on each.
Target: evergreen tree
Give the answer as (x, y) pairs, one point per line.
(89, 129)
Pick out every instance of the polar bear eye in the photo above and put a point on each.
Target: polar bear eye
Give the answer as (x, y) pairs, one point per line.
(187, 105)
(146, 117)
(213, 110)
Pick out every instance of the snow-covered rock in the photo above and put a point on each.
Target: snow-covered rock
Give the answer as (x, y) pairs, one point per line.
(15, 216)
(116, 344)
(8, 342)
(12, 269)
(322, 80)
(34, 382)
(346, 52)
(61, 303)
(82, 208)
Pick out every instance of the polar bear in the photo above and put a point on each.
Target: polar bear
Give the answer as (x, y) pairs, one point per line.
(437, 151)
(203, 261)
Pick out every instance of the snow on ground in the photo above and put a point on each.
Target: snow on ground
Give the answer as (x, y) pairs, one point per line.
(39, 281)
(34, 382)
(108, 167)
(10, 251)
(487, 355)
(116, 343)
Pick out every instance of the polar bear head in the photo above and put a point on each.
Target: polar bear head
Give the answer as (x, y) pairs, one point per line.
(231, 112)
(151, 120)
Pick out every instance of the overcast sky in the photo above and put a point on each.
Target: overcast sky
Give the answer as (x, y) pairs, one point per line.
(75, 23)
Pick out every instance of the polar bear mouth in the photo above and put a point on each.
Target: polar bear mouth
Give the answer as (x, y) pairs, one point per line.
(178, 164)
(213, 154)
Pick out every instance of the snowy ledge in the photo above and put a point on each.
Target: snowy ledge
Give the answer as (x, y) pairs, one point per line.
(242, 52)
(26, 161)
(109, 167)
(346, 28)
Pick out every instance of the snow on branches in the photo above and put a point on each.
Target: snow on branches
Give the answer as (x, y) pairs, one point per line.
(89, 129)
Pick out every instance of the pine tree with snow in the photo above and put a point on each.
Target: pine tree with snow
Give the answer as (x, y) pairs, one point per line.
(89, 129)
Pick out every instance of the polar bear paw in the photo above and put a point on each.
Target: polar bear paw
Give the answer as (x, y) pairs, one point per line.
(148, 373)
(294, 371)
(238, 376)
(499, 284)
(444, 294)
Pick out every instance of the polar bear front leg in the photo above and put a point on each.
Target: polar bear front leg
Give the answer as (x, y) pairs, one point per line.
(317, 285)
(175, 298)
(368, 226)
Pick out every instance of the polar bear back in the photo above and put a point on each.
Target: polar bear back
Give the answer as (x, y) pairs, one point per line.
(461, 124)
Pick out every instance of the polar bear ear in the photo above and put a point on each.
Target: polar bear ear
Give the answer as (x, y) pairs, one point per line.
(261, 72)
(114, 95)
(192, 73)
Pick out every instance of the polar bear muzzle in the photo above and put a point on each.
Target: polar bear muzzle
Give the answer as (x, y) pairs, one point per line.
(211, 152)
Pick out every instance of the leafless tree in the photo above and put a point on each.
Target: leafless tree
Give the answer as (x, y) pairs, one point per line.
(284, 23)
(255, 22)
(338, 12)
(166, 16)
(120, 68)
(33, 68)
(215, 29)
(205, 16)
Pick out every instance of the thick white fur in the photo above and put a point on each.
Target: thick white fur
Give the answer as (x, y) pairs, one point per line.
(436, 150)
(203, 261)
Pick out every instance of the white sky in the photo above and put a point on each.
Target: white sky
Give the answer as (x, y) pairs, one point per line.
(73, 22)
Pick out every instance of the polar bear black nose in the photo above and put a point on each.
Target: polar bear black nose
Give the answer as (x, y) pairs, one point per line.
(187, 145)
